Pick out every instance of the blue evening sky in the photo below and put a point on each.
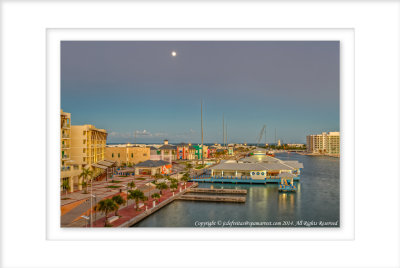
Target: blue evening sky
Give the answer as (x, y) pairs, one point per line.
(138, 86)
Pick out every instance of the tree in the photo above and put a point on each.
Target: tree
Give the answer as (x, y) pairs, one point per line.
(156, 196)
(65, 186)
(131, 185)
(119, 200)
(86, 173)
(158, 176)
(137, 195)
(173, 186)
(106, 206)
(162, 186)
(185, 177)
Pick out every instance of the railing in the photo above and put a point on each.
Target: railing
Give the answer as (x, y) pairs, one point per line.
(66, 125)
(233, 177)
(65, 136)
(65, 156)
(65, 146)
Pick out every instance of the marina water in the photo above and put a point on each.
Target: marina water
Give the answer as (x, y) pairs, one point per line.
(317, 199)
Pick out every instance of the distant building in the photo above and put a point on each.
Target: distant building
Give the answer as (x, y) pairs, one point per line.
(129, 155)
(279, 142)
(152, 167)
(325, 143)
(201, 152)
(297, 145)
(167, 152)
(211, 151)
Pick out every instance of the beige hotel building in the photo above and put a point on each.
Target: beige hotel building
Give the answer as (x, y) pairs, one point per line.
(81, 146)
(325, 143)
(127, 154)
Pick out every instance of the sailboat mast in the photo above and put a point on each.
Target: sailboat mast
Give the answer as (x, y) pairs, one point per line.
(202, 151)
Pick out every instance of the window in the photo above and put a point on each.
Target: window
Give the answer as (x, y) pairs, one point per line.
(118, 155)
(132, 155)
(112, 155)
(84, 132)
(144, 154)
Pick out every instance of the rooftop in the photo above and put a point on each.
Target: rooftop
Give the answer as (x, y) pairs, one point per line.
(153, 163)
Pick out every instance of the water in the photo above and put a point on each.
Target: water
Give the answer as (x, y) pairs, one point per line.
(317, 199)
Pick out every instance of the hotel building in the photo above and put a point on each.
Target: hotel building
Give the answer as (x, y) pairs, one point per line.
(69, 170)
(88, 144)
(129, 155)
(325, 143)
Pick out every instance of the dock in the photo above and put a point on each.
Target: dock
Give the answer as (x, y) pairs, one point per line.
(217, 191)
(213, 198)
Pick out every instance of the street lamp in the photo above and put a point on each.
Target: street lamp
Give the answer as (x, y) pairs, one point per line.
(86, 218)
(95, 202)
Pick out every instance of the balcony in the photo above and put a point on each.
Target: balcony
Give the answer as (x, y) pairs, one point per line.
(66, 125)
(65, 146)
(65, 136)
(65, 168)
(65, 156)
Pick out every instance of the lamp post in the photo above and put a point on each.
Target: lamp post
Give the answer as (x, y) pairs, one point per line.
(86, 219)
(91, 201)
(95, 202)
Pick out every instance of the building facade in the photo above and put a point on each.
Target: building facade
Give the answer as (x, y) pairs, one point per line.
(69, 171)
(128, 155)
(325, 143)
(153, 167)
(167, 152)
(200, 153)
(88, 144)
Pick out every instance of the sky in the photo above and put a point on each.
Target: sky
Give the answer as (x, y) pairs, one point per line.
(138, 88)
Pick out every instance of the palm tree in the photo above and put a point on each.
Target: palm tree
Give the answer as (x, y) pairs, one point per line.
(119, 200)
(86, 173)
(185, 177)
(156, 196)
(65, 186)
(162, 186)
(173, 186)
(130, 186)
(137, 195)
(106, 206)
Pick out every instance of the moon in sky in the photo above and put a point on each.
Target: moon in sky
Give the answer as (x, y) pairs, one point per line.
(173, 54)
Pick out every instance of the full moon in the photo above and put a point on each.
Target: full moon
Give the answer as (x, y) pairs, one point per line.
(173, 53)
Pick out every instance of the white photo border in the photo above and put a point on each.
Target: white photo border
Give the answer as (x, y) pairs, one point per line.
(23, 235)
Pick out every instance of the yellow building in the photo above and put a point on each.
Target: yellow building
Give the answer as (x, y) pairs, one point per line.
(127, 154)
(325, 143)
(69, 170)
(87, 144)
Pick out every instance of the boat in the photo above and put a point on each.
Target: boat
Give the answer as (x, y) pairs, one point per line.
(287, 186)
(271, 153)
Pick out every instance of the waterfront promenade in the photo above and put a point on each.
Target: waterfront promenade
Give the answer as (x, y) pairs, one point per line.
(129, 215)
(77, 204)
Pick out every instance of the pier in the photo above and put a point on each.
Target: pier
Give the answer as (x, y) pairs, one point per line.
(217, 191)
(213, 198)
